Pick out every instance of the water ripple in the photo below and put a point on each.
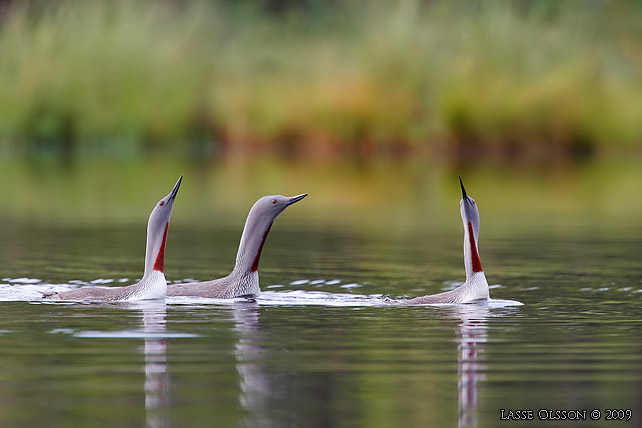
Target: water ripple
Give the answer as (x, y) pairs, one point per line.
(28, 289)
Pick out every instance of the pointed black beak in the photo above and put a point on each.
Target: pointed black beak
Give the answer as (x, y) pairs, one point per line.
(464, 195)
(175, 189)
(295, 199)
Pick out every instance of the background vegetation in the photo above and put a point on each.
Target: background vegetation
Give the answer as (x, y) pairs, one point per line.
(322, 79)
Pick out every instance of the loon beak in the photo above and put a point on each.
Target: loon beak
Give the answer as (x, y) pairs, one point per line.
(295, 199)
(172, 195)
(464, 195)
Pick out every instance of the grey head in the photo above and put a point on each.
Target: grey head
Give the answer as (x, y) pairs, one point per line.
(157, 231)
(469, 211)
(257, 226)
(268, 207)
(470, 219)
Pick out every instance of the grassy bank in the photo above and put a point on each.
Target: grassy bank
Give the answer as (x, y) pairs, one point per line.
(464, 78)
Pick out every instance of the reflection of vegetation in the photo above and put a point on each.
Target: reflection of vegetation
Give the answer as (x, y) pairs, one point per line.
(396, 197)
(504, 78)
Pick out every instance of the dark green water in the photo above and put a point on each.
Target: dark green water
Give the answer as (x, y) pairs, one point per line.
(278, 362)
(320, 348)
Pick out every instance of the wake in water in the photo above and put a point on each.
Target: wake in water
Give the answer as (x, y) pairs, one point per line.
(30, 289)
(295, 298)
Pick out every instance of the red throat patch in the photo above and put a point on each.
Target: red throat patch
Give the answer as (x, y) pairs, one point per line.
(473, 250)
(160, 258)
(255, 263)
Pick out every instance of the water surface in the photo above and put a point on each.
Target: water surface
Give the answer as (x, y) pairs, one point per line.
(321, 347)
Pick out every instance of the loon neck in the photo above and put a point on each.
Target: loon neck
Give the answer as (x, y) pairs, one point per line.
(251, 245)
(155, 252)
(472, 261)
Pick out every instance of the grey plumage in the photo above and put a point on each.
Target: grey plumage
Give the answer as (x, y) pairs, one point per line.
(244, 278)
(233, 285)
(153, 284)
(145, 287)
(476, 287)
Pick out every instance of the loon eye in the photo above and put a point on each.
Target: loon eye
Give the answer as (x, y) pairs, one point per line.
(273, 201)
(162, 203)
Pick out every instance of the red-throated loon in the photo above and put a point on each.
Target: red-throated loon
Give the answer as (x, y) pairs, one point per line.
(153, 285)
(244, 278)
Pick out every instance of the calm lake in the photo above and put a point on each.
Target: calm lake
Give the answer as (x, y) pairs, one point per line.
(322, 347)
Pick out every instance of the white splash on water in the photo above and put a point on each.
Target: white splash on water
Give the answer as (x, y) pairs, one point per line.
(501, 303)
(351, 285)
(130, 334)
(31, 290)
(21, 280)
(290, 298)
(11, 292)
(302, 297)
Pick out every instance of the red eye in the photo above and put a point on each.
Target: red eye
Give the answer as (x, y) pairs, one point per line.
(273, 201)
(162, 203)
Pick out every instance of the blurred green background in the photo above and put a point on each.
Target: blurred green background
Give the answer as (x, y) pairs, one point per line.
(372, 107)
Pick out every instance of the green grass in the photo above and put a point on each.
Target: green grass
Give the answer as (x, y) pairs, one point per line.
(503, 78)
